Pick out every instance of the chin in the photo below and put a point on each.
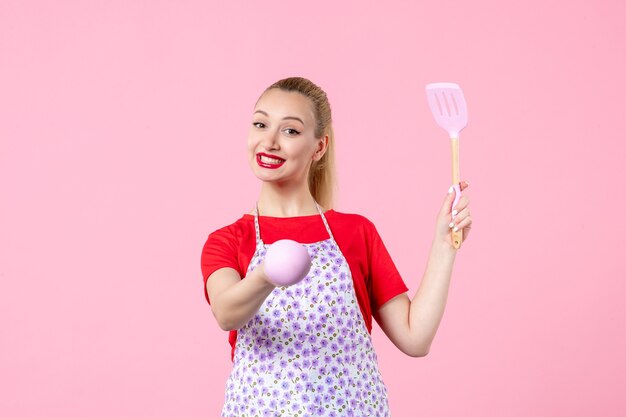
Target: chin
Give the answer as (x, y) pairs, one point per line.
(263, 176)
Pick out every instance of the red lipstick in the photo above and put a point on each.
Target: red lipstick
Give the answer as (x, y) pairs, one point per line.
(266, 164)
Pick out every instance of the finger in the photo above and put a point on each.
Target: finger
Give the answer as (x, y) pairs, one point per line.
(463, 185)
(462, 214)
(460, 205)
(446, 208)
(466, 223)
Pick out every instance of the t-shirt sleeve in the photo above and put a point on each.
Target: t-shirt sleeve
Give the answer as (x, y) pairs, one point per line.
(219, 251)
(385, 280)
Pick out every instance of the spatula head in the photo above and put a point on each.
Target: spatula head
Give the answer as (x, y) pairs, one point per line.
(448, 106)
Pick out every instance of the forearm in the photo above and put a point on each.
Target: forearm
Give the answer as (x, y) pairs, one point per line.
(429, 302)
(236, 305)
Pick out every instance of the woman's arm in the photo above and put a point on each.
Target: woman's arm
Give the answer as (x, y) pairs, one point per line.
(234, 301)
(412, 324)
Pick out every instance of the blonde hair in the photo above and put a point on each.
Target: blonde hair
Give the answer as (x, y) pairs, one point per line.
(322, 177)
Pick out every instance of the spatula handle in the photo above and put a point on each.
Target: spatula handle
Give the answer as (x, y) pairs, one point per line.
(457, 237)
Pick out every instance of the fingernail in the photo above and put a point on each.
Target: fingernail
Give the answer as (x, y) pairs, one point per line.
(454, 213)
(456, 229)
(451, 224)
(450, 190)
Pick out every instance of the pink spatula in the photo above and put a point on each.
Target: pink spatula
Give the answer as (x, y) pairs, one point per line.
(450, 111)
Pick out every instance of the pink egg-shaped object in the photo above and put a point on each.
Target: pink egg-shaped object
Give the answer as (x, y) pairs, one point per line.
(286, 262)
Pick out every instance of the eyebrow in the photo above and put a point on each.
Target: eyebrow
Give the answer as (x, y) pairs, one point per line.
(284, 118)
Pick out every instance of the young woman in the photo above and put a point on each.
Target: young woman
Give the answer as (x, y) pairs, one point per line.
(305, 349)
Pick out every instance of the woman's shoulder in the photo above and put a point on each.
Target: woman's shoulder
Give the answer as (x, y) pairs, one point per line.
(234, 230)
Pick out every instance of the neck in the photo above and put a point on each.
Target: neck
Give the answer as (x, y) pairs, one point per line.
(277, 200)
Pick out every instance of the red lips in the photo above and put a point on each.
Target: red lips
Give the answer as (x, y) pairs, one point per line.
(268, 165)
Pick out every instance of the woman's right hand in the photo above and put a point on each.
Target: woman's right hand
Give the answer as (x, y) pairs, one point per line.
(286, 262)
(235, 301)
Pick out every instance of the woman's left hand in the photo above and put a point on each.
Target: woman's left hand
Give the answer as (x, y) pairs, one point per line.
(462, 221)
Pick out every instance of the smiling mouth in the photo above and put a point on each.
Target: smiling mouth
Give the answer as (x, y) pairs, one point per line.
(267, 161)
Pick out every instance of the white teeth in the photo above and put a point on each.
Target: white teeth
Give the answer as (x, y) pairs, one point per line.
(268, 160)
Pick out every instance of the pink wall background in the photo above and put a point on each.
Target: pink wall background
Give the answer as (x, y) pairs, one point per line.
(122, 146)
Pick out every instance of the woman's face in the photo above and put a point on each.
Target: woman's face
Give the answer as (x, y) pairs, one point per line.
(281, 142)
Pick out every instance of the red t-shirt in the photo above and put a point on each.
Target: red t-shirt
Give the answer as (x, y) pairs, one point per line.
(376, 279)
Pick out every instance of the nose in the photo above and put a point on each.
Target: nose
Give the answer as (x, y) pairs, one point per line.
(270, 139)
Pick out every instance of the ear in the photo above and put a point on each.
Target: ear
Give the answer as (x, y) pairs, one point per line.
(322, 146)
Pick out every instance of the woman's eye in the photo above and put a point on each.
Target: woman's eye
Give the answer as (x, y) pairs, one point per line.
(291, 132)
(260, 125)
